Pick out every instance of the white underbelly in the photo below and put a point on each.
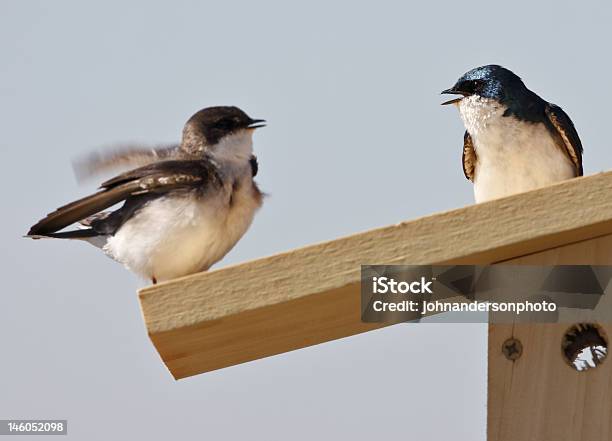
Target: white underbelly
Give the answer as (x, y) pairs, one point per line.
(513, 155)
(518, 162)
(178, 235)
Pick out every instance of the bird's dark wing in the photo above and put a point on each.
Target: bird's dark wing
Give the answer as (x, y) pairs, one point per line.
(151, 180)
(254, 165)
(120, 158)
(562, 128)
(469, 157)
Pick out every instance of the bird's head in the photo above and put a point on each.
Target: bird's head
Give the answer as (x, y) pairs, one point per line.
(491, 81)
(210, 127)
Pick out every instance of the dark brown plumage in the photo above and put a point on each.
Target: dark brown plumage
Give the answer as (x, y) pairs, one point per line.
(153, 179)
(567, 138)
(469, 157)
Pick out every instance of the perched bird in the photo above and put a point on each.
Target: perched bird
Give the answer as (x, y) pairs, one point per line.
(514, 140)
(183, 208)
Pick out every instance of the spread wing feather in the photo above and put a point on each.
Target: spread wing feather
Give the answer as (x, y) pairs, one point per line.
(157, 178)
(121, 158)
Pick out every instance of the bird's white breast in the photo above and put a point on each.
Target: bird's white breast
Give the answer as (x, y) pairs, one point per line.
(186, 232)
(513, 155)
(183, 233)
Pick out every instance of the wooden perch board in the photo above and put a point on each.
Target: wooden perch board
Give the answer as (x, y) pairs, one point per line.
(310, 295)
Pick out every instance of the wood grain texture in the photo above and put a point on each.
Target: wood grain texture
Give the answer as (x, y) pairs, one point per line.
(310, 295)
(539, 396)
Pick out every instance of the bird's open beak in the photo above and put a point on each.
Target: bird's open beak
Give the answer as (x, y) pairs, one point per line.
(256, 123)
(452, 91)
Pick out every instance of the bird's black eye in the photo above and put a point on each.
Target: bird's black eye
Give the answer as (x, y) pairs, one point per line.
(470, 86)
(225, 123)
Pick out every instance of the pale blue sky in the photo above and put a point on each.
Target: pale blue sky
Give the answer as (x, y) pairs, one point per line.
(356, 139)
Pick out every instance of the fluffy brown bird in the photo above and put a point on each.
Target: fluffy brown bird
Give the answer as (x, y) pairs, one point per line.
(184, 207)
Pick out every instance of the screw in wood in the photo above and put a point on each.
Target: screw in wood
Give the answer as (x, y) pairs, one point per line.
(512, 348)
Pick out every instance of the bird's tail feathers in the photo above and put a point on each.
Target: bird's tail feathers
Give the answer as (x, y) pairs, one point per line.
(88, 235)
